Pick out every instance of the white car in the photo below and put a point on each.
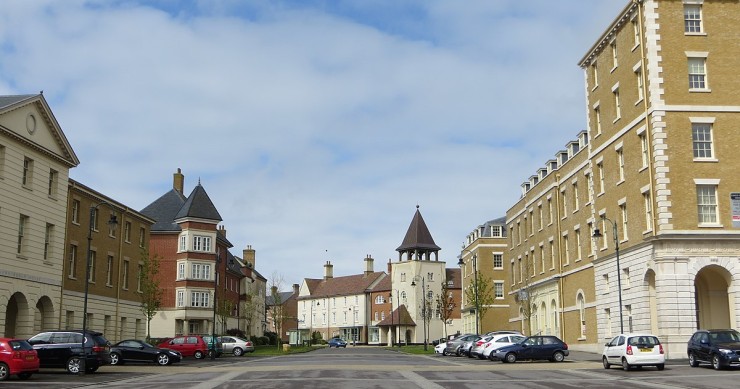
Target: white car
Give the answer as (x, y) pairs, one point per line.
(630, 350)
(498, 341)
(440, 348)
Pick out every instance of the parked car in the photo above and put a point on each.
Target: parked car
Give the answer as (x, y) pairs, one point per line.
(64, 349)
(534, 347)
(454, 344)
(236, 345)
(337, 342)
(476, 350)
(17, 357)
(498, 341)
(629, 350)
(132, 350)
(191, 346)
(219, 347)
(467, 346)
(440, 348)
(721, 348)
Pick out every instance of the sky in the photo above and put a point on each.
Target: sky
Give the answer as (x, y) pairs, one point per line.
(315, 126)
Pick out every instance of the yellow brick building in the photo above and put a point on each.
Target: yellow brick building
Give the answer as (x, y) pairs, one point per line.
(655, 170)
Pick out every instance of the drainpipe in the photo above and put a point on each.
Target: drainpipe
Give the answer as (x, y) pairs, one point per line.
(560, 255)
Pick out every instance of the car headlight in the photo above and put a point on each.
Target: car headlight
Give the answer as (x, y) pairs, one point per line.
(725, 351)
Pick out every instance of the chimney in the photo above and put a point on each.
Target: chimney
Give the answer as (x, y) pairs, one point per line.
(274, 291)
(178, 182)
(369, 265)
(248, 255)
(328, 270)
(390, 266)
(296, 289)
(222, 229)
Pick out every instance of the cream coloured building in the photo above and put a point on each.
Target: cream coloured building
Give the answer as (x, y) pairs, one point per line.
(35, 158)
(656, 170)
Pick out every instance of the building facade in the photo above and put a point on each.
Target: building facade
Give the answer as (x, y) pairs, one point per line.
(115, 265)
(35, 158)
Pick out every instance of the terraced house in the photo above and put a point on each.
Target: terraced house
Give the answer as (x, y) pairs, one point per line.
(653, 179)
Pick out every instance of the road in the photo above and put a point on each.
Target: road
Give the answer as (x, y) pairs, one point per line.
(368, 367)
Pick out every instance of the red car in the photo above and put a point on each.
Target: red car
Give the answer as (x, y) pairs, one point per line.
(17, 357)
(191, 346)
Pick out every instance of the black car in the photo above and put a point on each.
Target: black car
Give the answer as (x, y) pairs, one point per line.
(721, 348)
(534, 347)
(132, 350)
(64, 349)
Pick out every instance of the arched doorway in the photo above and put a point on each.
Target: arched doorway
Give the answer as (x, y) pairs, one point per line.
(408, 336)
(16, 310)
(44, 315)
(652, 300)
(710, 295)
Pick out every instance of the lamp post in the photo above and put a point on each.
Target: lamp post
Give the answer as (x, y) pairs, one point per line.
(390, 297)
(475, 283)
(354, 324)
(424, 306)
(597, 234)
(113, 223)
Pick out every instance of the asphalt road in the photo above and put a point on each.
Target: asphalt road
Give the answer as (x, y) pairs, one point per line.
(369, 367)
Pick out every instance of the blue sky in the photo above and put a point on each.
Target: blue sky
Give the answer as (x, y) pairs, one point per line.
(316, 127)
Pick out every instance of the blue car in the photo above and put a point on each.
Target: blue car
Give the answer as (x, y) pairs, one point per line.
(337, 342)
(532, 348)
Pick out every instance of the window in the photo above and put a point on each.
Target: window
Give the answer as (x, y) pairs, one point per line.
(595, 73)
(644, 149)
(640, 91)
(109, 271)
(127, 232)
(27, 172)
(94, 221)
(498, 261)
(597, 119)
(552, 255)
(53, 182)
(403, 277)
(697, 74)
(180, 271)
(578, 244)
(111, 227)
(498, 289)
(142, 236)
(48, 237)
(623, 214)
(606, 283)
(376, 316)
(576, 204)
(22, 225)
(542, 259)
(692, 18)
(379, 299)
(200, 271)
(539, 208)
(76, 211)
(592, 244)
(403, 296)
(200, 299)
(617, 104)
(91, 267)
(565, 203)
(648, 210)
(513, 274)
(707, 203)
(72, 261)
(600, 171)
(620, 163)
(626, 277)
(566, 247)
(581, 304)
(124, 276)
(613, 45)
(521, 271)
(183, 243)
(636, 31)
(430, 276)
(202, 243)
(604, 233)
(701, 134)
(549, 211)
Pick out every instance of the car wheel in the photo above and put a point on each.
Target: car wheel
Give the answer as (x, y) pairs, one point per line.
(4, 372)
(163, 359)
(558, 356)
(625, 364)
(510, 358)
(115, 359)
(606, 363)
(716, 363)
(660, 366)
(238, 352)
(457, 352)
(198, 354)
(24, 376)
(74, 365)
(445, 353)
(211, 354)
(491, 357)
(692, 360)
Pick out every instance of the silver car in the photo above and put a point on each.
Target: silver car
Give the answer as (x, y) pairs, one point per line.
(236, 346)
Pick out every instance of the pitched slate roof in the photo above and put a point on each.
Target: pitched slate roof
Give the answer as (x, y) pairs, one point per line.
(418, 236)
(284, 296)
(198, 205)
(164, 209)
(10, 100)
(399, 317)
(344, 286)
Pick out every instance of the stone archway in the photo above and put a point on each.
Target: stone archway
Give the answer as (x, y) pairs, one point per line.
(710, 295)
(43, 319)
(15, 313)
(649, 282)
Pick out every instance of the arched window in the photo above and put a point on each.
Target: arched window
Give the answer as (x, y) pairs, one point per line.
(581, 304)
(545, 325)
(403, 296)
(554, 316)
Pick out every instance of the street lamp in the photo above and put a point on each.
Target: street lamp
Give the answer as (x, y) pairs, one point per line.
(597, 234)
(424, 306)
(475, 283)
(354, 324)
(113, 223)
(390, 297)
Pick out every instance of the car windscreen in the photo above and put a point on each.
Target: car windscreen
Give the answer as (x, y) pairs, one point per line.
(643, 341)
(18, 345)
(725, 336)
(100, 340)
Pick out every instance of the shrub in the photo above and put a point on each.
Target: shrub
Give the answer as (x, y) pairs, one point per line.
(236, 332)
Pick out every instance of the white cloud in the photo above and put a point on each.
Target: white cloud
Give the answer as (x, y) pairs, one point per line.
(313, 127)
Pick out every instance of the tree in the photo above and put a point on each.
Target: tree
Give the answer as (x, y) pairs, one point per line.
(526, 296)
(151, 293)
(445, 305)
(278, 313)
(249, 309)
(224, 309)
(480, 296)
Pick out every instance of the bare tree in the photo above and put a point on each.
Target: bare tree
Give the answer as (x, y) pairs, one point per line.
(526, 296)
(445, 305)
(277, 309)
(151, 293)
(249, 309)
(480, 295)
